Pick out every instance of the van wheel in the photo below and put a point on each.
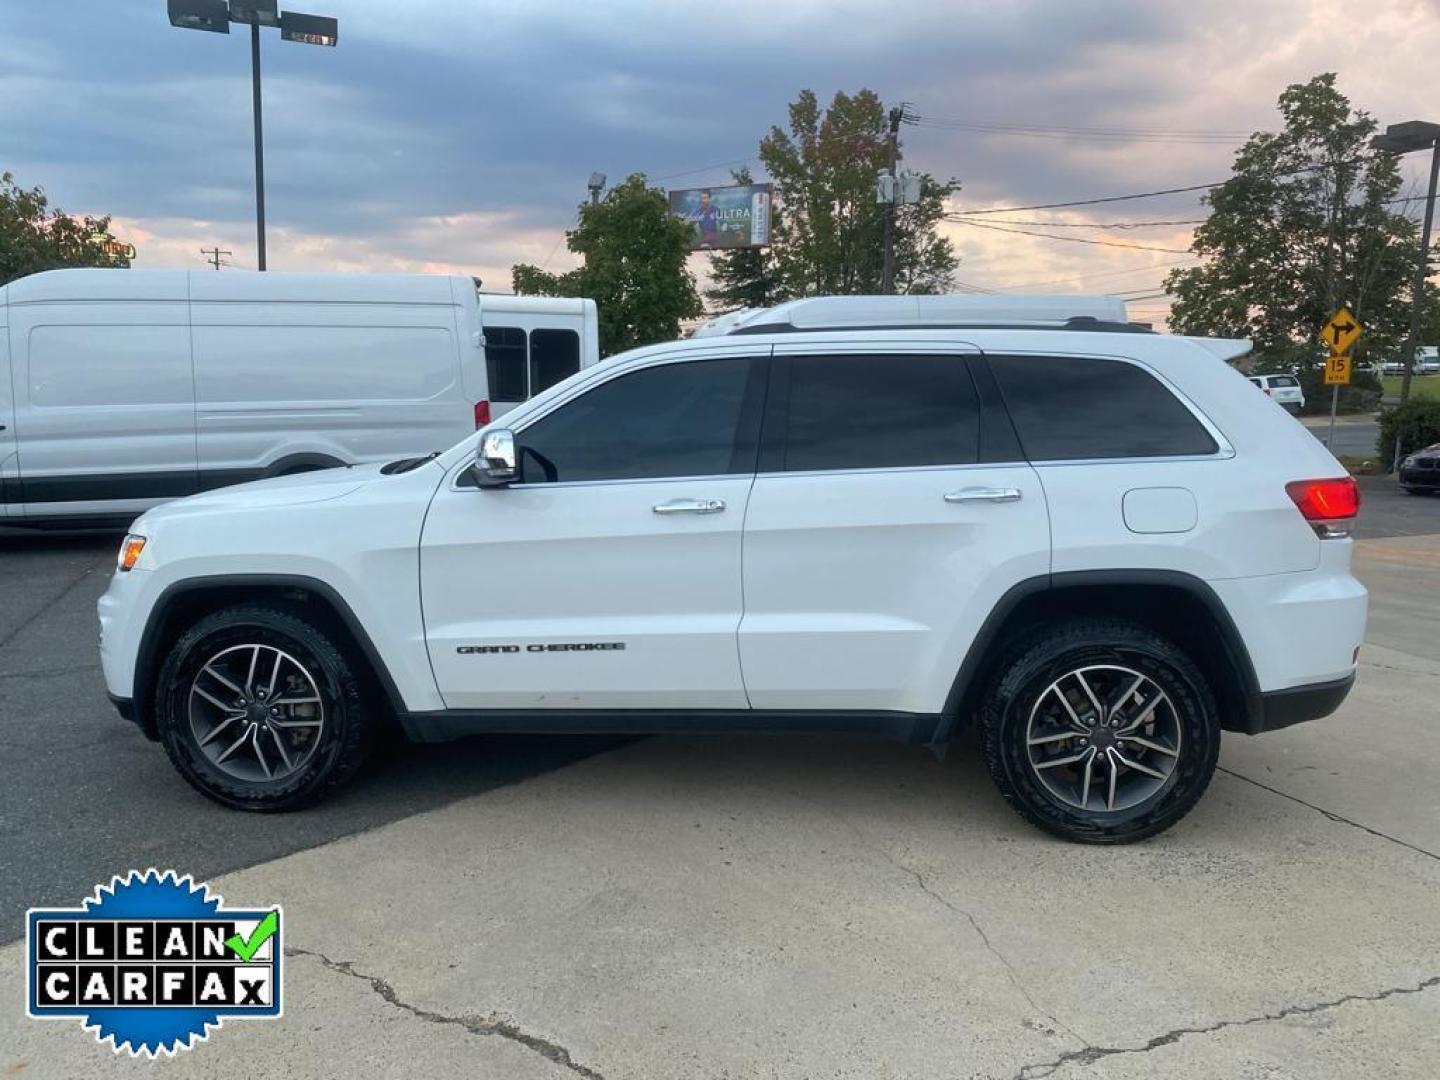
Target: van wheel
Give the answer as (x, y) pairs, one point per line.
(260, 709)
(1100, 731)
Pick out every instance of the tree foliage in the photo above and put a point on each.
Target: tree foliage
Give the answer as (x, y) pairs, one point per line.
(634, 269)
(34, 237)
(1303, 224)
(829, 237)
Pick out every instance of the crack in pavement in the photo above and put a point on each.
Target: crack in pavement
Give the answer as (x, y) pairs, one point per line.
(1337, 818)
(1092, 1054)
(926, 888)
(46, 673)
(475, 1025)
(47, 606)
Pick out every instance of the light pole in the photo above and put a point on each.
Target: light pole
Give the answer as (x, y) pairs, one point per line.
(596, 185)
(216, 17)
(1406, 138)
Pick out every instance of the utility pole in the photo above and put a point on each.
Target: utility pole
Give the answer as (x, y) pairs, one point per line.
(259, 144)
(887, 273)
(212, 255)
(1406, 138)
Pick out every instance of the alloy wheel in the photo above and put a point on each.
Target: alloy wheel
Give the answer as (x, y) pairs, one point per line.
(1103, 738)
(256, 712)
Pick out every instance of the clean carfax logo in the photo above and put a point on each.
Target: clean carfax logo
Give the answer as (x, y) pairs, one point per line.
(151, 962)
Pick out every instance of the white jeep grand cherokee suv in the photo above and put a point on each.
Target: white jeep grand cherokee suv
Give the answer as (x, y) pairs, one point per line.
(890, 516)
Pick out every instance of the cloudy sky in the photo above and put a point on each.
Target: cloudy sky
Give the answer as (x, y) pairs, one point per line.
(457, 135)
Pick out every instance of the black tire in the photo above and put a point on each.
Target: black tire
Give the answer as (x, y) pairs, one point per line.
(1024, 676)
(344, 739)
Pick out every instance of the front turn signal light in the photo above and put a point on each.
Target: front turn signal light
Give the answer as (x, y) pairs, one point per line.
(130, 551)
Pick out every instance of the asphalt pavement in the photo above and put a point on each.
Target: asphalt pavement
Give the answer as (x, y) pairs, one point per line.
(87, 796)
(747, 907)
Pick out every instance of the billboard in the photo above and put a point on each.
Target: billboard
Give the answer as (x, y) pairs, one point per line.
(722, 218)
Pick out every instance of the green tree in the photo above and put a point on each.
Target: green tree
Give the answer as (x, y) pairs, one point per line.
(635, 268)
(1302, 225)
(829, 239)
(34, 238)
(745, 277)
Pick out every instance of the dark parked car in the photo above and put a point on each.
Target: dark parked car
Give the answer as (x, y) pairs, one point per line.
(1421, 470)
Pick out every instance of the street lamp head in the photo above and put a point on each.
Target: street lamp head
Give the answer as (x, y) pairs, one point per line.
(259, 12)
(212, 15)
(309, 29)
(1408, 137)
(597, 181)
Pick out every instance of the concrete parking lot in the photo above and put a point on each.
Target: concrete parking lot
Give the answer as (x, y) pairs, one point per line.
(745, 907)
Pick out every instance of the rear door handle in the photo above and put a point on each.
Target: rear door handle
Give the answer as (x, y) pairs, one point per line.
(690, 506)
(983, 494)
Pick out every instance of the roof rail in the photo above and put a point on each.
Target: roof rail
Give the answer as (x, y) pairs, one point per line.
(921, 312)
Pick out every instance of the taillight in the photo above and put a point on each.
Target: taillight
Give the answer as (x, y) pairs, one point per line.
(482, 414)
(1268, 392)
(1329, 505)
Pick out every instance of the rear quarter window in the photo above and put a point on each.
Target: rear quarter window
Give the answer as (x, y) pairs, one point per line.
(1069, 408)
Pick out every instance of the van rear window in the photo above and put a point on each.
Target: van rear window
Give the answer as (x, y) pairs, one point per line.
(505, 363)
(554, 355)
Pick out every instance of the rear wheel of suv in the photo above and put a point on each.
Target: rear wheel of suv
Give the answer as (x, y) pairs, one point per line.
(260, 709)
(1100, 731)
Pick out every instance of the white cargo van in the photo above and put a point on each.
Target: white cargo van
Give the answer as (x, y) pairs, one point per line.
(120, 389)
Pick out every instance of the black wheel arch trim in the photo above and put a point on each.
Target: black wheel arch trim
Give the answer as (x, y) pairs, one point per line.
(300, 463)
(988, 636)
(148, 658)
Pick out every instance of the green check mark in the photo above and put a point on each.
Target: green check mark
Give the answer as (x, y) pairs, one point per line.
(246, 948)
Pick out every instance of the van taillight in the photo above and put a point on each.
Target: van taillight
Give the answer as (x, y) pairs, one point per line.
(1329, 505)
(482, 414)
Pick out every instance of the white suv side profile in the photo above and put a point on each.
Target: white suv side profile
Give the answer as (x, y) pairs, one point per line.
(891, 516)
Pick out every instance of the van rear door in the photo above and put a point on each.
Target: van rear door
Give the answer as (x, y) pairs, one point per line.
(9, 472)
(104, 395)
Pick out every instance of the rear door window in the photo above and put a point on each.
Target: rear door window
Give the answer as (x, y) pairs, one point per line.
(1069, 408)
(871, 411)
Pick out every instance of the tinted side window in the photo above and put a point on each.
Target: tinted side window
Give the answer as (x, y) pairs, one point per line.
(505, 362)
(676, 420)
(877, 412)
(1068, 408)
(554, 355)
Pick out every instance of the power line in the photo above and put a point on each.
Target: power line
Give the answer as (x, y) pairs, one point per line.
(1100, 224)
(1090, 202)
(1068, 239)
(707, 168)
(1098, 274)
(1095, 134)
(1145, 194)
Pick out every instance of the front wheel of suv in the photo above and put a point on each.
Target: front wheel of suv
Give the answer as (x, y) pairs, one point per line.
(1100, 731)
(259, 708)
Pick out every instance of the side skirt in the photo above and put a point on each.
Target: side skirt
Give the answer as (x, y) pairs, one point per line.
(442, 726)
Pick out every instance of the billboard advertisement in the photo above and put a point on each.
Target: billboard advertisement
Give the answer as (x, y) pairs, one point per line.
(723, 218)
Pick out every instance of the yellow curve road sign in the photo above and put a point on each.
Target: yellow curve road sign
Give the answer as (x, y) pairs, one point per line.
(1340, 332)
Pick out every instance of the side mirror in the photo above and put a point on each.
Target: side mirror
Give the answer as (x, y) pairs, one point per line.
(495, 461)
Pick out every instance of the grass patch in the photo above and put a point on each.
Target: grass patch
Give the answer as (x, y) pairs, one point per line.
(1421, 386)
(1359, 465)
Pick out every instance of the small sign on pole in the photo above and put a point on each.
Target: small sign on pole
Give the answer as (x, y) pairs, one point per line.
(1340, 332)
(1337, 370)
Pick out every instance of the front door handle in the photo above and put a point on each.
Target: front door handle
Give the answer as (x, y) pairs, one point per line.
(983, 494)
(690, 506)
